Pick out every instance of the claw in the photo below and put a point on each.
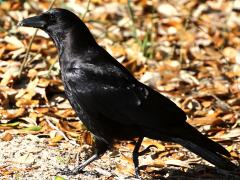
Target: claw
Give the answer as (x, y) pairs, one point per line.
(68, 172)
(100, 149)
(137, 173)
(79, 168)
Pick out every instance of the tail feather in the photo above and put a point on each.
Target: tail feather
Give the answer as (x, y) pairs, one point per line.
(213, 157)
(196, 137)
(192, 139)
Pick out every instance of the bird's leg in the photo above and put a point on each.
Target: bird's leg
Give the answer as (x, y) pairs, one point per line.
(100, 148)
(135, 156)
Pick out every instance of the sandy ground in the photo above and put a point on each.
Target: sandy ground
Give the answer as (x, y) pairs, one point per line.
(30, 157)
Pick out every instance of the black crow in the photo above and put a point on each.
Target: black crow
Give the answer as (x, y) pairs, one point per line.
(110, 102)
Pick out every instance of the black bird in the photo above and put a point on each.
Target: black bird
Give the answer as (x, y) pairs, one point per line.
(111, 103)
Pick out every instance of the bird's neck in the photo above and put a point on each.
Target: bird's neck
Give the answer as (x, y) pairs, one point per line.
(58, 39)
(73, 40)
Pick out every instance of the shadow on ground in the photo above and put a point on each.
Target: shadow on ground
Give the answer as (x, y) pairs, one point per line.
(197, 172)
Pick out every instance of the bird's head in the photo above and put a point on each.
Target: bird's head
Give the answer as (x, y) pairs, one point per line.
(52, 20)
(60, 24)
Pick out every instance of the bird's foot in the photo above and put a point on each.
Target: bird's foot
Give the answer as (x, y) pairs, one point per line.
(137, 173)
(75, 171)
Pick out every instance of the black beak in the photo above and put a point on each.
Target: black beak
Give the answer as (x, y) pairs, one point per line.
(35, 21)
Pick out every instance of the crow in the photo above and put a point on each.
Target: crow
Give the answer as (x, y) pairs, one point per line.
(110, 102)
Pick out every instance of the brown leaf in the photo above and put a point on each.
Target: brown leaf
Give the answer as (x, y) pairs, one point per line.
(74, 131)
(207, 104)
(32, 73)
(41, 110)
(87, 138)
(147, 142)
(64, 113)
(12, 113)
(177, 163)
(14, 41)
(208, 120)
(43, 82)
(26, 102)
(7, 137)
(56, 139)
(230, 53)
(126, 167)
(231, 134)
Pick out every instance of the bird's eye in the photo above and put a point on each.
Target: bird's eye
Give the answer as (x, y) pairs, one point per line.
(52, 17)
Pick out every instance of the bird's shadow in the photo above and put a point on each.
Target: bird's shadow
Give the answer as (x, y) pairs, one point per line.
(198, 171)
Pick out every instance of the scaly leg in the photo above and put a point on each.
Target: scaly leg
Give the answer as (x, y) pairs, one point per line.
(135, 156)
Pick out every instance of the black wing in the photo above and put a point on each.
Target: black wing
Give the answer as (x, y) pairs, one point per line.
(107, 88)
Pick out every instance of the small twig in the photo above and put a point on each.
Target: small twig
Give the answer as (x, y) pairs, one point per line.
(87, 9)
(33, 6)
(59, 131)
(56, 128)
(52, 65)
(134, 29)
(30, 46)
(27, 54)
(103, 34)
(223, 105)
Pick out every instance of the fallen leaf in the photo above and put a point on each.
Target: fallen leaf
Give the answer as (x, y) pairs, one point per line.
(26, 102)
(147, 142)
(177, 163)
(167, 9)
(12, 113)
(56, 139)
(233, 133)
(14, 41)
(7, 137)
(59, 178)
(33, 128)
(10, 124)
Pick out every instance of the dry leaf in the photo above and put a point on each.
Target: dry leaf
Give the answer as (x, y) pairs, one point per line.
(12, 113)
(177, 163)
(209, 120)
(56, 139)
(233, 133)
(167, 9)
(6, 137)
(14, 41)
(147, 142)
(26, 102)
